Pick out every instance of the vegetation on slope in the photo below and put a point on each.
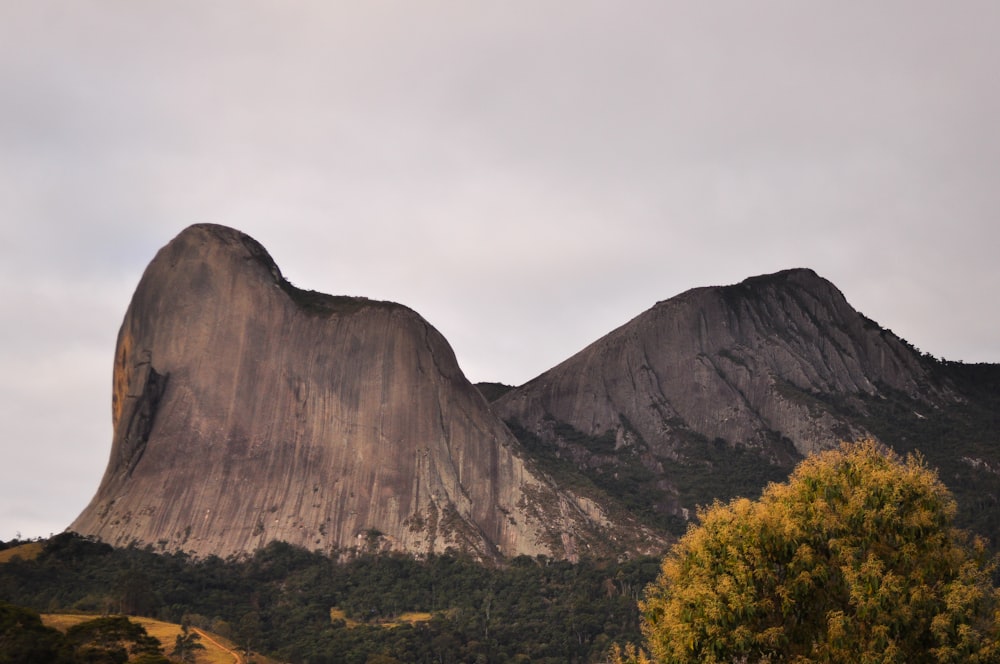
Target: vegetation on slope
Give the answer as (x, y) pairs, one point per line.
(854, 559)
(622, 476)
(279, 601)
(25, 551)
(959, 440)
(25, 638)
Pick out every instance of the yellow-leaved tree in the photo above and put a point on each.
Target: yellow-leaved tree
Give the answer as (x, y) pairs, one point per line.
(854, 559)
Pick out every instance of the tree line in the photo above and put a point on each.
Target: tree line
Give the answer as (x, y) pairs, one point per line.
(856, 558)
(279, 600)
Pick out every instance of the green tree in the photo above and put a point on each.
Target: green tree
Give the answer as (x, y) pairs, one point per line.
(25, 640)
(248, 630)
(187, 644)
(135, 593)
(110, 639)
(854, 559)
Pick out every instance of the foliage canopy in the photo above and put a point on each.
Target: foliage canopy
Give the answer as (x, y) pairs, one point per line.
(278, 601)
(105, 640)
(854, 559)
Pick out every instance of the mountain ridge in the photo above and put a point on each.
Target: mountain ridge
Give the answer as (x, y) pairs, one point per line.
(737, 378)
(247, 410)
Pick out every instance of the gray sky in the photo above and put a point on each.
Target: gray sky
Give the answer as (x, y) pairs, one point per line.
(527, 175)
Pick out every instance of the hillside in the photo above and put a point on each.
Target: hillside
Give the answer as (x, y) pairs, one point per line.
(300, 606)
(717, 391)
(217, 649)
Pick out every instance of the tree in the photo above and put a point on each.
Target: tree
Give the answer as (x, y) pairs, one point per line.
(110, 639)
(854, 559)
(187, 644)
(135, 593)
(25, 640)
(248, 630)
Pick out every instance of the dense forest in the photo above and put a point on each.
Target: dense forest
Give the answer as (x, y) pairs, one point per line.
(308, 608)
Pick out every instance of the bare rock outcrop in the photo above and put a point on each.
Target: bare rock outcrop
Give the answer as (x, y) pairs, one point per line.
(246, 410)
(754, 366)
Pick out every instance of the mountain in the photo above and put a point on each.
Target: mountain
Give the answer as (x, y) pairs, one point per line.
(735, 364)
(246, 410)
(719, 390)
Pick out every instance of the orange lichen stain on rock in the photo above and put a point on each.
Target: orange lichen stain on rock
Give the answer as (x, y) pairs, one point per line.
(120, 378)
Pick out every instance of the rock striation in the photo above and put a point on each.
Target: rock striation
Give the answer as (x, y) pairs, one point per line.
(246, 410)
(738, 363)
(754, 366)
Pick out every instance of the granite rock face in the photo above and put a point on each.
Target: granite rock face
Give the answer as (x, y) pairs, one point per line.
(246, 410)
(751, 366)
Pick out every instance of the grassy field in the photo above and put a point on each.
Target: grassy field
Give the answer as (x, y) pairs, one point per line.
(410, 617)
(217, 649)
(26, 551)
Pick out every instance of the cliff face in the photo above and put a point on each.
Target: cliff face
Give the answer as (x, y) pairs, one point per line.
(754, 367)
(246, 410)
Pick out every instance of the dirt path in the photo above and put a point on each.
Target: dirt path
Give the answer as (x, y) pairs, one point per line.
(238, 658)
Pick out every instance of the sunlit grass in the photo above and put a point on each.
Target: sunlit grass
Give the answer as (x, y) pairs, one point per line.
(218, 650)
(26, 551)
(408, 618)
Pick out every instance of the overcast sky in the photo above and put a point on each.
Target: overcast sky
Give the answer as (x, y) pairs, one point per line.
(527, 175)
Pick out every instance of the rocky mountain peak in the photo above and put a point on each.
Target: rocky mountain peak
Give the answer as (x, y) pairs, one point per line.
(247, 410)
(754, 367)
